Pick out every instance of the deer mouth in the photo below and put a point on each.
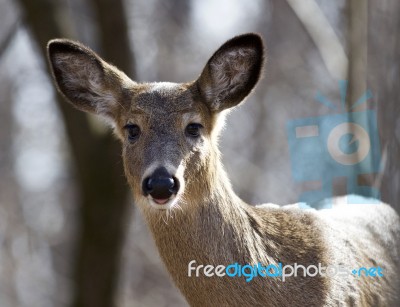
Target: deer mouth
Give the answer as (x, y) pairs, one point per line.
(160, 201)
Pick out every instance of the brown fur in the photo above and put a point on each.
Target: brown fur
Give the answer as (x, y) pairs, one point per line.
(208, 222)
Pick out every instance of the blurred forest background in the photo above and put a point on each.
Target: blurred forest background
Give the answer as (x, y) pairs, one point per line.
(69, 232)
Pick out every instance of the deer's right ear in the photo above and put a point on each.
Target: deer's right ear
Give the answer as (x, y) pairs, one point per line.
(232, 72)
(87, 81)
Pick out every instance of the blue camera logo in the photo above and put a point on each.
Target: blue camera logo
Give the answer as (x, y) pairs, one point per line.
(339, 145)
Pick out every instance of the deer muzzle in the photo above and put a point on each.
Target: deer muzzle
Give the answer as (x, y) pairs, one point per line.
(160, 185)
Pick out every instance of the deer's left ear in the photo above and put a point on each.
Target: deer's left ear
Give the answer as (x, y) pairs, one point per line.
(87, 81)
(232, 72)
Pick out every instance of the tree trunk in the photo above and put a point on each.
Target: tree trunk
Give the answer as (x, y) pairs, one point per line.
(383, 77)
(100, 177)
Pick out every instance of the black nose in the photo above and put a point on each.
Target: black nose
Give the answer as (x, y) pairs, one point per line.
(160, 185)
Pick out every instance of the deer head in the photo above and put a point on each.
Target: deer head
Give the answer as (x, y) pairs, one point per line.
(168, 130)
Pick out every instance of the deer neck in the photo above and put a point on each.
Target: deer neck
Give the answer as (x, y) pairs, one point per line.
(217, 228)
(211, 226)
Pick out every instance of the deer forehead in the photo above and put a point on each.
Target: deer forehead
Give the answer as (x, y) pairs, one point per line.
(163, 97)
(163, 105)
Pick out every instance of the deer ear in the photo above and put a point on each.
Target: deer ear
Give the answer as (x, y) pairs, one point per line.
(88, 82)
(232, 72)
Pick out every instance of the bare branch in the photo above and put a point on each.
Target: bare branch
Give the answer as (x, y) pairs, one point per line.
(9, 37)
(323, 35)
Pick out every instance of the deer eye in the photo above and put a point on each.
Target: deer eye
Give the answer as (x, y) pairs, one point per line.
(193, 130)
(133, 131)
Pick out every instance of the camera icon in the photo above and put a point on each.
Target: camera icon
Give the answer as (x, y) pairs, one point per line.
(332, 146)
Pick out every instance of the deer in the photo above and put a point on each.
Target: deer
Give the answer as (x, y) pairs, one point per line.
(169, 135)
